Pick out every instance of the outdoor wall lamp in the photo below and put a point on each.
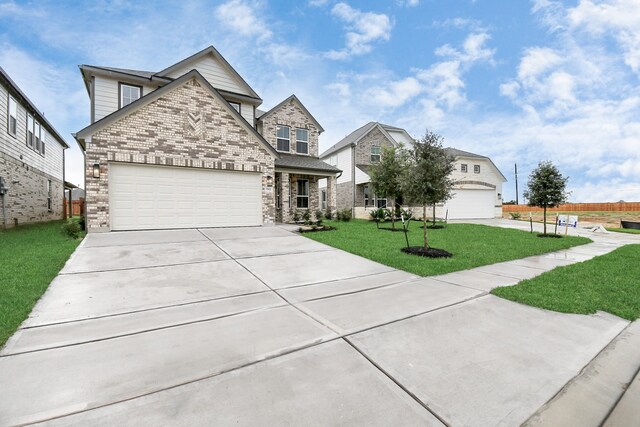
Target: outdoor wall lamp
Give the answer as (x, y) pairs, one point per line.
(96, 170)
(269, 180)
(499, 195)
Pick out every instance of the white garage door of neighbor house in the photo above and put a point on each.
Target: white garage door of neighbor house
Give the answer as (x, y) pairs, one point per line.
(143, 197)
(471, 204)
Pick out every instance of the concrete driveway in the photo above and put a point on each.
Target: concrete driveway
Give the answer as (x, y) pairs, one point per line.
(260, 326)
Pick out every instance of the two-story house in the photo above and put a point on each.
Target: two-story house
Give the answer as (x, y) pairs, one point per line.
(477, 191)
(31, 160)
(187, 147)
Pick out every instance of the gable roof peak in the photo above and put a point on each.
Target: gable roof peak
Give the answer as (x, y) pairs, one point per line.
(291, 98)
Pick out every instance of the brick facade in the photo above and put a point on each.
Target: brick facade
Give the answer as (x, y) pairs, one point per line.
(290, 114)
(26, 201)
(161, 133)
(344, 195)
(363, 149)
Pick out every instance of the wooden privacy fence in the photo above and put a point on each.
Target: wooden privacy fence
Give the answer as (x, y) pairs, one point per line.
(77, 207)
(578, 207)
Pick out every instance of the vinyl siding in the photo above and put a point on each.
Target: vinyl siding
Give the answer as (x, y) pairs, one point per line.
(216, 74)
(401, 138)
(344, 163)
(246, 110)
(15, 147)
(107, 93)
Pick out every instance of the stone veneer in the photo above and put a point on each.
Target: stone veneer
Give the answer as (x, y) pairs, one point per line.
(290, 114)
(26, 200)
(161, 133)
(344, 195)
(363, 149)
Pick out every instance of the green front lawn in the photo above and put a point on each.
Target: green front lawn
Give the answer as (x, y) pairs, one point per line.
(609, 283)
(471, 245)
(624, 230)
(31, 257)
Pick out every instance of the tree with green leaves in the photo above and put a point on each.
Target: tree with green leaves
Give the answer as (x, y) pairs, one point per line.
(386, 175)
(427, 180)
(546, 188)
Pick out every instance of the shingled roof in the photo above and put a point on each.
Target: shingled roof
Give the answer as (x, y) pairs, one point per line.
(355, 136)
(306, 163)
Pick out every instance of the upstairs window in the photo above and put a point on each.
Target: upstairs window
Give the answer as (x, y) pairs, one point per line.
(283, 139)
(128, 94)
(36, 136)
(463, 168)
(30, 124)
(375, 153)
(302, 196)
(476, 168)
(12, 119)
(43, 138)
(49, 193)
(302, 141)
(235, 105)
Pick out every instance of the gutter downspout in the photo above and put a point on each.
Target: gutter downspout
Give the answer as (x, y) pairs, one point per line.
(3, 192)
(353, 179)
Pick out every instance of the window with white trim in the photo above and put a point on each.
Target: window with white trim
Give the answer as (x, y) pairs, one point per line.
(302, 195)
(282, 138)
(476, 168)
(30, 124)
(366, 195)
(43, 138)
(12, 116)
(323, 203)
(463, 168)
(235, 105)
(302, 141)
(128, 94)
(375, 153)
(36, 136)
(381, 203)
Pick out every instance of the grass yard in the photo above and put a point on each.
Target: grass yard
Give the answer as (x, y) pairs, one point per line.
(471, 245)
(609, 283)
(31, 257)
(624, 230)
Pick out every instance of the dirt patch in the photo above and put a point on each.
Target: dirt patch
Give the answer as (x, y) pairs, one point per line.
(429, 253)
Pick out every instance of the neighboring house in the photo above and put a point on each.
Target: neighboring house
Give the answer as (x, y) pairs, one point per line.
(183, 148)
(477, 192)
(31, 160)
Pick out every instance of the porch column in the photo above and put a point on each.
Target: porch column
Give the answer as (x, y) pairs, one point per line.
(285, 196)
(331, 193)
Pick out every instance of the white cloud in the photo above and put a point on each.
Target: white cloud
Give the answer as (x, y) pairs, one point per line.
(363, 29)
(409, 3)
(395, 93)
(317, 3)
(241, 17)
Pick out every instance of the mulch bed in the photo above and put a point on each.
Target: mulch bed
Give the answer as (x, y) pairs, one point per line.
(313, 230)
(556, 236)
(429, 253)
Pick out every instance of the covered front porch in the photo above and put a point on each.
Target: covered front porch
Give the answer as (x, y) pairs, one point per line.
(296, 185)
(366, 201)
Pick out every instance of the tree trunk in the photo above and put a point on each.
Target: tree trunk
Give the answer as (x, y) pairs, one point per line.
(424, 228)
(544, 219)
(434, 214)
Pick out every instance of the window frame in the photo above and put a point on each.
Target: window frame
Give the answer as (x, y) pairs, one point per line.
(37, 128)
(233, 104)
(30, 126)
(377, 205)
(476, 168)
(43, 137)
(288, 139)
(299, 196)
(300, 141)
(121, 85)
(49, 195)
(323, 199)
(366, 196)
(378, 155)
(464, 168)
(11, 101)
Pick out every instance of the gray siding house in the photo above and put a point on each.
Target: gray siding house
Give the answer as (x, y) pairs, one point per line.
(187, 147)
(31, 160)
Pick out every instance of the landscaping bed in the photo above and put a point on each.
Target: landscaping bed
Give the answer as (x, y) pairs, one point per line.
(31, 257)
(608, 283)
(472, 245)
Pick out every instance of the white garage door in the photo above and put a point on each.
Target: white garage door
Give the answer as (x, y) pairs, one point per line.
(471, 204)
(143, 197)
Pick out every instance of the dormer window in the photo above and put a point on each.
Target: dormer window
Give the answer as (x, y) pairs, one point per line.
(302, 141)
(283, 138)
(129, 93)
(375, 153)
(235, 105)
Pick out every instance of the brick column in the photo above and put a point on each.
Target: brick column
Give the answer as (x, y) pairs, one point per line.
(285, 194)
(331, 193)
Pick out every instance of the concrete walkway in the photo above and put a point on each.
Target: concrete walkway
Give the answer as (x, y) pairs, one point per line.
(260, 326)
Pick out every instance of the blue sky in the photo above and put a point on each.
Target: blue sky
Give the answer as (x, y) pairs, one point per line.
(519, 81)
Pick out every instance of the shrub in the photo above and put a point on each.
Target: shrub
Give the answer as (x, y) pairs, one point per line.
(328, 215)
(296, 216)
(71, 229)
(515, 215)
(81, 223)
(344, 215)
(306, 216)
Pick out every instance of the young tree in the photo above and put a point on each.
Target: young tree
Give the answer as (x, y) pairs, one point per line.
(546, 188)
(386, 175)
(427, 180)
